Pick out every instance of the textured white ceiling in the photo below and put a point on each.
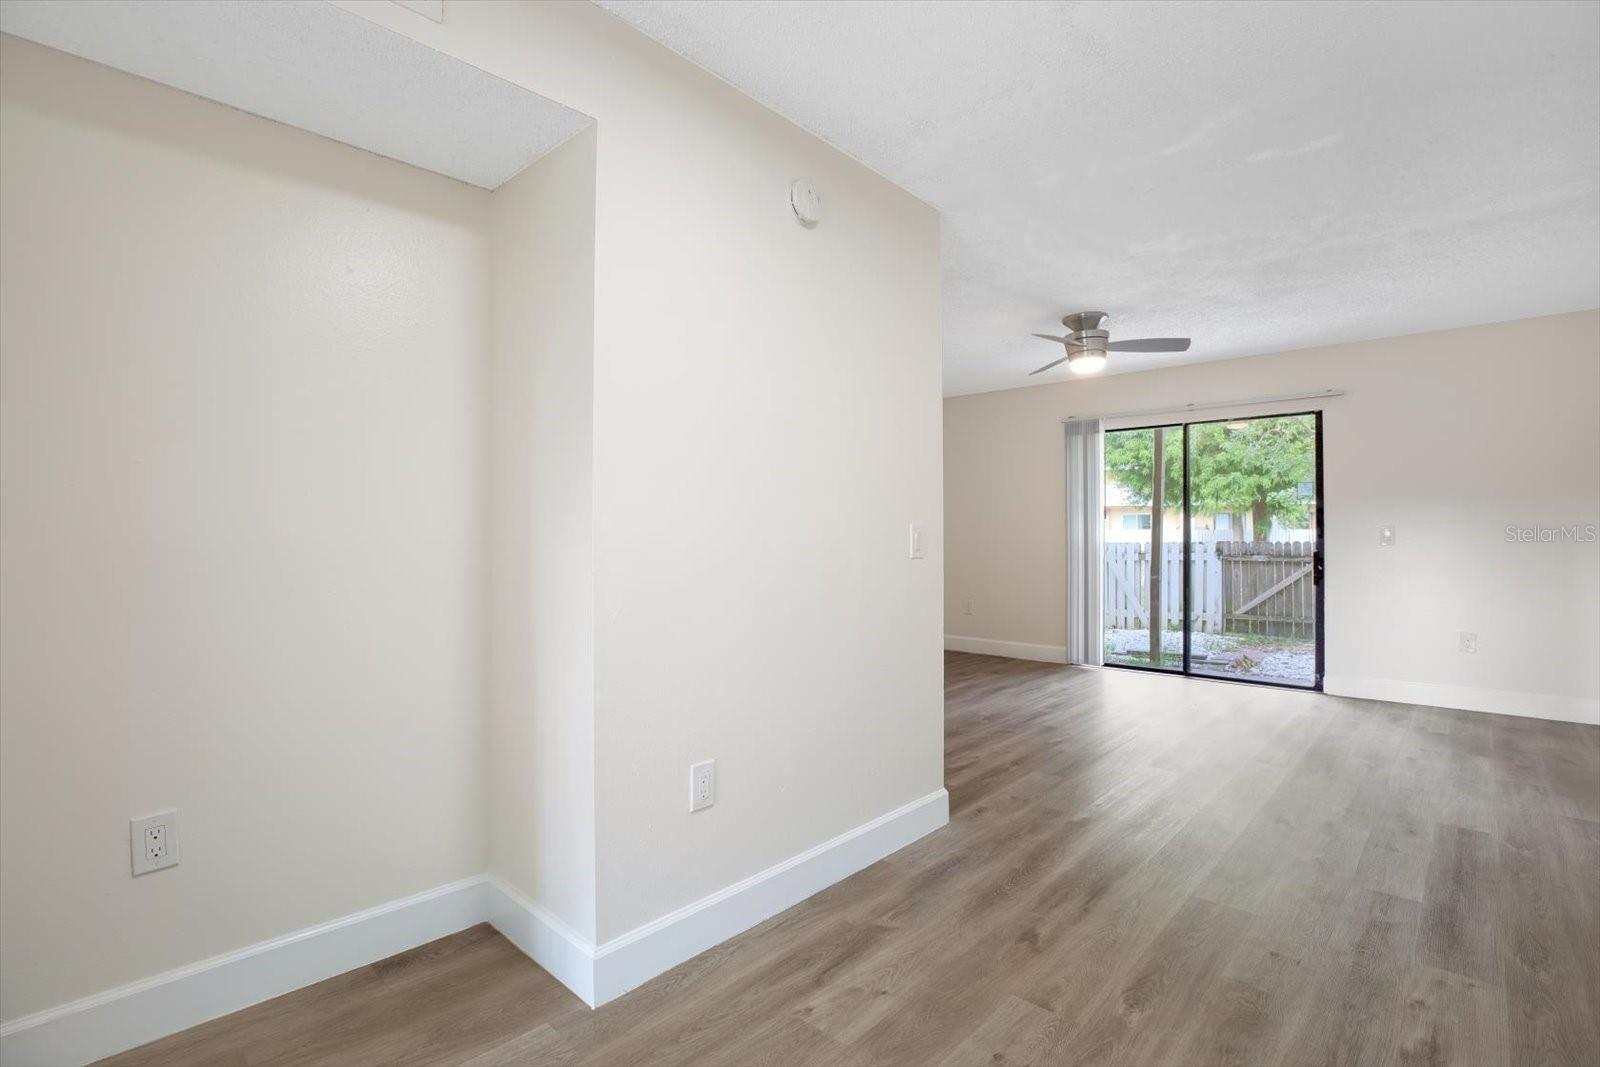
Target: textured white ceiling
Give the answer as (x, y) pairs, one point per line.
(1260, 176)
(309, 64)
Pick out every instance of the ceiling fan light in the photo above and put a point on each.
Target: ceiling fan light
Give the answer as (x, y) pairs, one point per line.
(1086, 362)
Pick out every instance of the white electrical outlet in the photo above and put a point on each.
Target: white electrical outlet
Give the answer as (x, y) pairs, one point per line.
(966, 606)
(702, 785)
(1386, 536)
(153, 841)
(1469, 641)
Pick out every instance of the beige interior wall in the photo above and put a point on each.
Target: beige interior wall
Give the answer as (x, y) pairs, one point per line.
(541, 530)
(242, 411)
(767, 426)
(1450, 437)
(249, 444)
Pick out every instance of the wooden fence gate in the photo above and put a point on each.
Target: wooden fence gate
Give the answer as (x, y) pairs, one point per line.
(1267, 587)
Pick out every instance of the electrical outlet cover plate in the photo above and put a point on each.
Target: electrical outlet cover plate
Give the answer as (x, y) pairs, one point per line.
(702, 785)
(153, 841)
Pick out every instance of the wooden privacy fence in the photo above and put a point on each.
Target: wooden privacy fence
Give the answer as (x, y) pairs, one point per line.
(1257, 587)
(1125, 592)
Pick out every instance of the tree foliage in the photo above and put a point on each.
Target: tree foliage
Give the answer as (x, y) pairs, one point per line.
(1258, 468)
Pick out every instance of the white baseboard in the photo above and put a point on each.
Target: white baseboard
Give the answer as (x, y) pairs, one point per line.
(603, 973)
(1467, 698)
(543, 938)
(636, 957)
(131, 1015)
(1010, 649)
(142, 1011)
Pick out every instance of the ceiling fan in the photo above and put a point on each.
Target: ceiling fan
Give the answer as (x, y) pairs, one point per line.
(1087, 343)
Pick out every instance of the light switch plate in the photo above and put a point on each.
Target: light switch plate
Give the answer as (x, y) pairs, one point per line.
(153, 842)
(1386, 536)
(917, 549)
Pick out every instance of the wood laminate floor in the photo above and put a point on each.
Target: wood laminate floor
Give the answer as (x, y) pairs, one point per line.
(1137, 870)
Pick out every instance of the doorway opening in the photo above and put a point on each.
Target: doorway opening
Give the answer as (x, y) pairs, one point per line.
(1213, 549)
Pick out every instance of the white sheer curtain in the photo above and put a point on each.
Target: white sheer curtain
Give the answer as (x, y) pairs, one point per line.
(1085, 558)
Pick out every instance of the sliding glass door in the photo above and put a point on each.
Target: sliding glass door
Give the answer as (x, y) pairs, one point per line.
(1142, 591)
(1212, 539)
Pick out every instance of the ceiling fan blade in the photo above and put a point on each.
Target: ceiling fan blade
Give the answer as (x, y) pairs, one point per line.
(1047, 366)
(1051, 337)
(1150, 344)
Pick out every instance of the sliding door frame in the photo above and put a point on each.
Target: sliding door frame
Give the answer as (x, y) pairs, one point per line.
(1319, 588)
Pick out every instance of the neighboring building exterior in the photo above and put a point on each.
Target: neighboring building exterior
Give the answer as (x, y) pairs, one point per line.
(1128, 522)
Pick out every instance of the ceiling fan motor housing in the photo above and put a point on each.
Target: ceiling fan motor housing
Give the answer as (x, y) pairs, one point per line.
(1086, 322)
(1087, 330)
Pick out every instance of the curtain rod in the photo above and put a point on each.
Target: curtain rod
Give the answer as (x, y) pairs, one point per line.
(1179, 408)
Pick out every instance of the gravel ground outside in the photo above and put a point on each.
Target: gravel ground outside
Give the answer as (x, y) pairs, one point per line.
(1266, 658)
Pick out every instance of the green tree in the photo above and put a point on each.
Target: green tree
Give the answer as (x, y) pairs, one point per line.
(1257, 468)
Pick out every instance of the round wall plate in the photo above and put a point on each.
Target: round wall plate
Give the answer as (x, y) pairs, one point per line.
(806, 202)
